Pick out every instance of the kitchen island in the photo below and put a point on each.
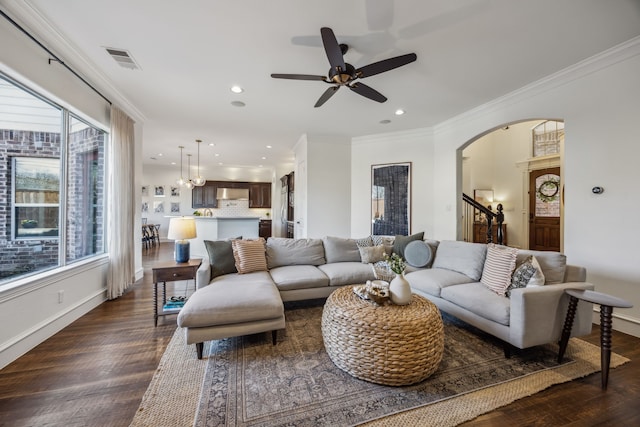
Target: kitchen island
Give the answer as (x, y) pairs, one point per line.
(220, 228)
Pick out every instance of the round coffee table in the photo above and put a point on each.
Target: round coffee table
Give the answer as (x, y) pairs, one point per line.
(389, 344)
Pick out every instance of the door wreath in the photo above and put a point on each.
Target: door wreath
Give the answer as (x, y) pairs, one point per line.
(549, 190)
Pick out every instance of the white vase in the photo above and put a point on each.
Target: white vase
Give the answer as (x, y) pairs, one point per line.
(400, 290)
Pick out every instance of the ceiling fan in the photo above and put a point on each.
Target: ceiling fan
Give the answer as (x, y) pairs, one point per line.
(344, 74)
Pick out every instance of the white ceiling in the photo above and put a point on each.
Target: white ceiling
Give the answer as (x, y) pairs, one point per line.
(190, 53)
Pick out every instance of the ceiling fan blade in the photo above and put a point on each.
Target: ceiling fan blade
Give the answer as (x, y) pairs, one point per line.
(332, 48)
(367, 92)
(298, 77)
(326, 95)
(385, 65)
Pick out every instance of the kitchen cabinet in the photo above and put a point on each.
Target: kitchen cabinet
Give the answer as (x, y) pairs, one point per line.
(260, 195)
(205, 196)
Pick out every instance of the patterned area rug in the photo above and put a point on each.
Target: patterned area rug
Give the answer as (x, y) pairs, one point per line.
(250, 382)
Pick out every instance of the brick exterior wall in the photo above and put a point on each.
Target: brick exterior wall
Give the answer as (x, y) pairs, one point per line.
(85, 209)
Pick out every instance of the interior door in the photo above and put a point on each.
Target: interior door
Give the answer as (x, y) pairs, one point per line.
(545, 192)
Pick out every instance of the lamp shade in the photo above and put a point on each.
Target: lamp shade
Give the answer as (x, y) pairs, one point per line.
(181, 229)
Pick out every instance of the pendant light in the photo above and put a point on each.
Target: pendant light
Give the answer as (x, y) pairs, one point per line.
(180, 181)
(198, 181)
(189, 183)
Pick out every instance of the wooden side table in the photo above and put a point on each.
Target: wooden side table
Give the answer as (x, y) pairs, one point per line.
(607, 303)
(170, 271)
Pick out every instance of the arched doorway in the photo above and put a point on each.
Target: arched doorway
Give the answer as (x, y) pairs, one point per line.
(500, 164)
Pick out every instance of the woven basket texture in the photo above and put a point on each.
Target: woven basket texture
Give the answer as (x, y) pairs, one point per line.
(390, 345)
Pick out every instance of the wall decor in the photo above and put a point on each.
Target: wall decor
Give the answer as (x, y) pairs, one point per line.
(145, 207)
(175, 191)
(159, 191)
(391, 199)
(145, 191)
(485, 198)
(158, 207)
(175, 207)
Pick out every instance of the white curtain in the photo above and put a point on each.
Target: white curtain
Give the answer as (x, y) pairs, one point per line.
(120, 209)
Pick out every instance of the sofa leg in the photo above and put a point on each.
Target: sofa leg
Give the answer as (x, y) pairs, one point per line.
(199, 349)
(507, 350)
(274, 336)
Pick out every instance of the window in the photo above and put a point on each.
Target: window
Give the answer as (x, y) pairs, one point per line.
(36, 197)
(547, 137)
(52, 202)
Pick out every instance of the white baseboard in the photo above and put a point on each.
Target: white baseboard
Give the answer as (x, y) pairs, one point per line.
(621, 322)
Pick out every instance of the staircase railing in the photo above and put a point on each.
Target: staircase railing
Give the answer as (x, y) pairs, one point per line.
(490, 217)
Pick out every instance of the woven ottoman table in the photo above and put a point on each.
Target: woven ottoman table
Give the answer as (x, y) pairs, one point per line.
(387, 344)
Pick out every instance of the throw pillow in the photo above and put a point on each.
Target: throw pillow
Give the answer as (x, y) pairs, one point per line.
(522, 275)
(365, 241)
(220, 257)
(401, 242)
(498, 268)
(538, 278)
(418, 253)
(372, 254)
(249, 255)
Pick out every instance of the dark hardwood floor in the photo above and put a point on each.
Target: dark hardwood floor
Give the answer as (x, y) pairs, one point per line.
(95, 371)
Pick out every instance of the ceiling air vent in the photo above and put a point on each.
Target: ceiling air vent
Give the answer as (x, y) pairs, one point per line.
(123, 58)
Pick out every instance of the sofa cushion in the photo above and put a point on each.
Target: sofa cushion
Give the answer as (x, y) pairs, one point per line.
(463, 257)
(386, 241)
(432, 280)
(298, 277)
(401, 242)
(418, 253)
(282, 251)
(480, 300)
(522, 275)
(233, 298)
(553, 264)
(498, 268)
(364, 242)
(220, 257)
(372, 254)
(347, 273)
(338, 249)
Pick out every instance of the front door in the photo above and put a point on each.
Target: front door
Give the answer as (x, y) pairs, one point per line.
(545, 191)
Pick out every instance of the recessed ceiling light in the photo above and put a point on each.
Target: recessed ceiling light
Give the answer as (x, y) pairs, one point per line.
(159, 154)
(211, 144)
(269, 146)
(220, 163)
(236, 89)
(259, 166)
(264, 158)
(217, 154)
(173, 163)
(385, 122)
(238, 103)
(399, 112)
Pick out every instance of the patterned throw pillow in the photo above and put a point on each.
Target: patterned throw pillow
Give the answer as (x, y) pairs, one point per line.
(522, 275)
(364, 242)
(372, 254)
(249, 255)
(498, 268)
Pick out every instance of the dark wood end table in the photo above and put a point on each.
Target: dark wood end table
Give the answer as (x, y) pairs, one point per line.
(171, 271)
(607, 303)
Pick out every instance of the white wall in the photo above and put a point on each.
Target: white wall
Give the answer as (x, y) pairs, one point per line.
(599, 101)
(323, 186)
(414, 146)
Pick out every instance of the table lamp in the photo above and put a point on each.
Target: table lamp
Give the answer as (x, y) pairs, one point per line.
(181, 229)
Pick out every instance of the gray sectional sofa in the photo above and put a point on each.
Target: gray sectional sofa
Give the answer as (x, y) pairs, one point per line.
(229, 304)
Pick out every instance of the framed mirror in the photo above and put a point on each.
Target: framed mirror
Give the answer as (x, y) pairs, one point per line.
(391, 199)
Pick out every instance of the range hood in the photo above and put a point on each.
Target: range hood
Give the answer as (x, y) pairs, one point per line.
(232, 194)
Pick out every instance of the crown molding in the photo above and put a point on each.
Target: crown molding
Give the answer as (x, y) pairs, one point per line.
(425, 132)
(604, 59)
(40, 27)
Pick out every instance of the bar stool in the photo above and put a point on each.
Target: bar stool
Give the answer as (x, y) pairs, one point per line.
(607, 303)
